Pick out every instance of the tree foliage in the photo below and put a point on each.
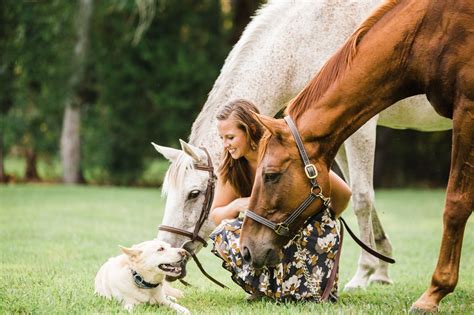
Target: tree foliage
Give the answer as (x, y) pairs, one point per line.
(143, 84)
(35, 63)
(150, 91)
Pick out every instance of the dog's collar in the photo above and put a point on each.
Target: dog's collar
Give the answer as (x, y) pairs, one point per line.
(141, 283)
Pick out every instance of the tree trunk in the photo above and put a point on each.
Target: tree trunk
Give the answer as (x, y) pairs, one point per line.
(3, 176)
(71, 145)
(70, 136)
(31, 173)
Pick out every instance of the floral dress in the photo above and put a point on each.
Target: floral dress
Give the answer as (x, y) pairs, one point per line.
(287, 281)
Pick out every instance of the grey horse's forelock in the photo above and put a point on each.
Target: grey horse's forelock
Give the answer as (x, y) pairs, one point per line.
(176, 173)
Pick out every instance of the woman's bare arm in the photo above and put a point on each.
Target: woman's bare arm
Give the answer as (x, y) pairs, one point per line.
(340, 193)
(226, 204)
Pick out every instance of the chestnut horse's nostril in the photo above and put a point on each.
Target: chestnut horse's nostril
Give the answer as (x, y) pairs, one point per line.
(246, 255)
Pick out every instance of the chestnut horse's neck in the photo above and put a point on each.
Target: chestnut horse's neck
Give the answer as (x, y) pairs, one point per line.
(373, 70)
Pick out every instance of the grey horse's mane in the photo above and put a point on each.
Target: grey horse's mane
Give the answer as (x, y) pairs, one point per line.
(176, 172)
(267, 14)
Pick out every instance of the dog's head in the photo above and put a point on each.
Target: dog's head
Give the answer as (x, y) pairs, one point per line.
(155, 257)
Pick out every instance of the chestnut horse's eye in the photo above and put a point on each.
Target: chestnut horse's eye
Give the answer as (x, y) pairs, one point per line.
(271, 177)
(193, 194)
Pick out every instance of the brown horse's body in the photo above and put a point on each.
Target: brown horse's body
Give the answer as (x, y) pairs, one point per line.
(405, 48)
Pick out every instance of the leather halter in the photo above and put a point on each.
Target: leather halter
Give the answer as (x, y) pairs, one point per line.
(283, 228)
(206, 206)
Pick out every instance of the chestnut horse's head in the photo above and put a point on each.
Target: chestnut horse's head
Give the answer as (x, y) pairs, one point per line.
(281, 186)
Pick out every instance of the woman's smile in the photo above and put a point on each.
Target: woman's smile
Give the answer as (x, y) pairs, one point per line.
(233, 138)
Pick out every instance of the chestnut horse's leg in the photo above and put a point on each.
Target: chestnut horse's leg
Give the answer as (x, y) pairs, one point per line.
(459, 206)
(360, 150)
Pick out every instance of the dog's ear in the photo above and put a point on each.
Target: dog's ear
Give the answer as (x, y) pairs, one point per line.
(130, 252)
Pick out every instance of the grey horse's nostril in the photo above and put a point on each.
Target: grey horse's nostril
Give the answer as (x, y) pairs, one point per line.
(246, 255)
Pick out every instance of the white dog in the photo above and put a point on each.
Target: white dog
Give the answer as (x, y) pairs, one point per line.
(138, 275)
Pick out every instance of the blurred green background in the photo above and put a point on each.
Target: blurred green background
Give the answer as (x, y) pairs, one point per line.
(114, 75)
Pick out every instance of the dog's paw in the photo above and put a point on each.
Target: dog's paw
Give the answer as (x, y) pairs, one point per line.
(128, 307)
(182, 310)
(172, 299)
(172, 292)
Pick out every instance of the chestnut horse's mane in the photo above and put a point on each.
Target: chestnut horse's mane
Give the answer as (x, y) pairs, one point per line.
(335, 67)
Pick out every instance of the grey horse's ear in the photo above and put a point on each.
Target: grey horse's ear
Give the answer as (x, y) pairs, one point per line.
(197, 154)
(169, 153)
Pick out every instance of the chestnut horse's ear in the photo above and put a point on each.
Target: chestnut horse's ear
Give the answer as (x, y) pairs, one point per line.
(271, 124)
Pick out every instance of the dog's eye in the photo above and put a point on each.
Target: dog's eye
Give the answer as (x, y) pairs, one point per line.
(160, 249)
(193, 194)
(271, 177)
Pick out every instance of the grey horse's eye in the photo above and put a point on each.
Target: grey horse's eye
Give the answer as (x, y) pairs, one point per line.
(193, 194)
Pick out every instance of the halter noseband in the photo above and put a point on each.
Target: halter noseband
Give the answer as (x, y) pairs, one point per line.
(206, 206)
(283, 228)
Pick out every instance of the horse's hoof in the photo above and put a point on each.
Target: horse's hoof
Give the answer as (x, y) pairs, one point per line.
(375, 279)
(354, 286)
(423, 308)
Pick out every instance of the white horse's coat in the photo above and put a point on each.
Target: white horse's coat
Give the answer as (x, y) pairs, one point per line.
(279, 52)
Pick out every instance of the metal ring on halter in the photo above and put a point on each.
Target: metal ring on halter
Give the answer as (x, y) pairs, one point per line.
(316, 187)
(184, 246)
(282, 229)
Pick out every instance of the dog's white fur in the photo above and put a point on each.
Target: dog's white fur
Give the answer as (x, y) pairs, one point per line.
(115, 279)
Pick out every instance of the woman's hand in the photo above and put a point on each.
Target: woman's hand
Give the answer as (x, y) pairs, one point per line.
(240, 205)
(230, 211)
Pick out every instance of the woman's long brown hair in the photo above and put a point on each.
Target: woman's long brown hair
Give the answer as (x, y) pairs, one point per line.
(237, 171)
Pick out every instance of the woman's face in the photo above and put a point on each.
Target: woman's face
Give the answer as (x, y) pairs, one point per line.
(233, 138)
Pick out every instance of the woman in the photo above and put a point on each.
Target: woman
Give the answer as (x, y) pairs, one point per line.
(240, 134)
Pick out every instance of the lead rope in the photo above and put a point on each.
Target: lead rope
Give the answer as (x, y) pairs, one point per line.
(308, 276)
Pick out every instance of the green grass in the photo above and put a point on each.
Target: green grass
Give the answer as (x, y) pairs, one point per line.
(53, 239)
(49, 170)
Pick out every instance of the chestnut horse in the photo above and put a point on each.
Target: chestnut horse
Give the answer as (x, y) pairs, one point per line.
(404, 48)
(295, 37)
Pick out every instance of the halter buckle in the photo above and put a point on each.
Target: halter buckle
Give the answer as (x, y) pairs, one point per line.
(311, 169)
(282, 229)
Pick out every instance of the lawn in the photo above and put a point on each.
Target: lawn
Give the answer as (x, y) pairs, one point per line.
(53, 239)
